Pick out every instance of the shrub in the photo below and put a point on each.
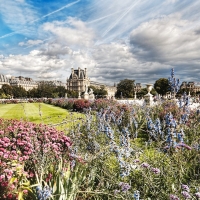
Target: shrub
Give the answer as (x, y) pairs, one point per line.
(80, 104)
(27, 152)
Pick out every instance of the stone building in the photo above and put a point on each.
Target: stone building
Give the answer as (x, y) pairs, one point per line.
(3, 80)
(191, 86)
(54, 83)
(25, 82)
(79, 81)
(110, 89)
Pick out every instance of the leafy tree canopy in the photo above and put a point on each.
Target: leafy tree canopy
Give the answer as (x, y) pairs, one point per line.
(7, 89)
(18, 91)
(162, 86)
(125, 88)
(99, 92)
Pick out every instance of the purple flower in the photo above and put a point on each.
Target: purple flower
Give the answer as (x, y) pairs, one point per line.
(124, 186)
(173, 197)
(197, 194)
(155, 170)
(185, 187)
(186, 195)
(116, 192)
(145, 165)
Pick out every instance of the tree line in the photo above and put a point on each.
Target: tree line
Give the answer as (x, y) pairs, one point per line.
(45, 91)
(125, 89)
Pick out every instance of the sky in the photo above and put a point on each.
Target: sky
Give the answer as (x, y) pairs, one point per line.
(141, 40)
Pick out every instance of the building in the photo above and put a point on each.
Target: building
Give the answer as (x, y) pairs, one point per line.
(3, 80)
(54, 83)
(79, 81)
(191, 86)
(26, 83)
(111, 90)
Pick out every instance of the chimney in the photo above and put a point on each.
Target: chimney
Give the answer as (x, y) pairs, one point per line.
(85, 72)
(72, 70)
(79, 72)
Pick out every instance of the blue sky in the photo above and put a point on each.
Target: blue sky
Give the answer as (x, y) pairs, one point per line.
(135, 39)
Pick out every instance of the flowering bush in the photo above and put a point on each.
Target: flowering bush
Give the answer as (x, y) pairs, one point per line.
(124, 152)
(27, 152)
(80, 104)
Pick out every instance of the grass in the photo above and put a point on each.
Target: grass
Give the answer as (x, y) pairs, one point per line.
(41, 113)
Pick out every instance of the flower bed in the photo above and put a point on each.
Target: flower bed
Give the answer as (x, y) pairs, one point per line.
(123, 152)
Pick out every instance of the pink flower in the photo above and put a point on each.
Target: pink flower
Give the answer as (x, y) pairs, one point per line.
(5, 155)
(20, 159)
(31, 174)
(12, 186)
(2, 176)
(25, 191)
(9, 196)
(14, 157)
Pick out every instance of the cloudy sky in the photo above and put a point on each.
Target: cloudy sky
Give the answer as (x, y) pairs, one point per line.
(114, 39)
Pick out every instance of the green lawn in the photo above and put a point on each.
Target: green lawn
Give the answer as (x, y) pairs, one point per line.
(40, 113)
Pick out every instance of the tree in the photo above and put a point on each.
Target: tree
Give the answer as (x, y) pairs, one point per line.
(99, 92)
(72, 94)
(7, 90)
(32, 93)
(60, 90)
(45, 90)
(125, 88)
(162, 86)
(18, 91)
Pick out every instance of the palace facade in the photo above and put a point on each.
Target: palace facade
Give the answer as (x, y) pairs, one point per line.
(25, 82)
(3, 80)
(191, 86)
(79, 81)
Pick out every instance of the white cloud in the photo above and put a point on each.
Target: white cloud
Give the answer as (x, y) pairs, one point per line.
(33, 65)
(30, 43)
(17, 15)
(166, 40)
(115, 62)
(72, 32)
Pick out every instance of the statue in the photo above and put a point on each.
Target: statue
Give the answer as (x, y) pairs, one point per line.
(91, 91)
(91, 95)
(86, 89)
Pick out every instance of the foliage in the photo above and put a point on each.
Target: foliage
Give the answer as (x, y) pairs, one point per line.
(6, 91)
(72, 94)
(19, 92)
(125, 152)
(99, 92)
(30, 149)
(80, 104)
(125, 88)
(162, 86)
